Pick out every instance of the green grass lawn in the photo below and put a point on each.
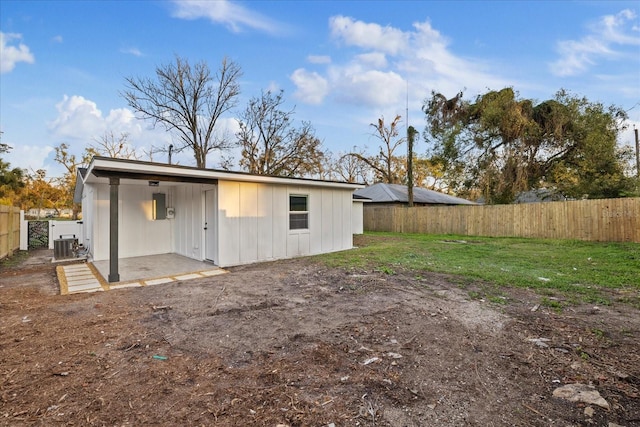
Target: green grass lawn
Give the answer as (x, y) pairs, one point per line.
(578, 271)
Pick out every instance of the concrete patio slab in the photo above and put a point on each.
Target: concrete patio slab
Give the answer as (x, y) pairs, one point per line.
(134, 272)
(154, 266)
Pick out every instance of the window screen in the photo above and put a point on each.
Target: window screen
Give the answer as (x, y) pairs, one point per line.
(298, 212)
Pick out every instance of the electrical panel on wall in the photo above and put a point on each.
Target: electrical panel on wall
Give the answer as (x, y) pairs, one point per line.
(171, 213)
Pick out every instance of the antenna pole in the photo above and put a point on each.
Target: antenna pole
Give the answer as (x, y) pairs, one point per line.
(635, 131)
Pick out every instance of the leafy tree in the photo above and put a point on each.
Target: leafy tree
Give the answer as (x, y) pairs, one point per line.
(271, 145)
(500, 145)
(4, 148)
(68, 181)
(11, 180)
(593, 166)
(385, 164)
(41, 193)
(188, 101)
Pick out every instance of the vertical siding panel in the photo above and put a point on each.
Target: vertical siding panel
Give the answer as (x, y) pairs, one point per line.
(346, 241)
(187, 225)
(317, 219)
(336, 221)
(327, 220)
(248, 212)
(265, 233)
(229, 223)
(280, 221)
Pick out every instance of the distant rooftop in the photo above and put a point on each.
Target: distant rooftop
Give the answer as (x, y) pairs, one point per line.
(396, 193)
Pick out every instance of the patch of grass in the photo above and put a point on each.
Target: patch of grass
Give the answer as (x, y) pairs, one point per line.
(475, 295)
(386, 270)
(583, 271)
(16, 259)
(552, 303)
(497, 299)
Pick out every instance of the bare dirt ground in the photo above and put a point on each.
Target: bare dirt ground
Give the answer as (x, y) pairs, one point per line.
(294, 343)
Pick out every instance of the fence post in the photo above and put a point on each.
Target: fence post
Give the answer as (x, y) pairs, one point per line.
(11, 236)
(24, 233)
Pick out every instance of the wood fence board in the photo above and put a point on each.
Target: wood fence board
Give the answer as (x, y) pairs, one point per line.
(9, 230)
(615, 220)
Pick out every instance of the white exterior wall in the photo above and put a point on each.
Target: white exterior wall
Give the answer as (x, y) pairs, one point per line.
(138, 233)
(253, 222)
(188, 203)
(358, 217)
(88, 218)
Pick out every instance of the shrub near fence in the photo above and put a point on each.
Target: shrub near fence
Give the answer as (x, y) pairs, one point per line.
(9, 230)
(606, 220)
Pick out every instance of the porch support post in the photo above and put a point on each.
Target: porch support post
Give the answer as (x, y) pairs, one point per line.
(114, 184)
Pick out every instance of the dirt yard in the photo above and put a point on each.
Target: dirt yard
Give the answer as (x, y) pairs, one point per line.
(294, 343)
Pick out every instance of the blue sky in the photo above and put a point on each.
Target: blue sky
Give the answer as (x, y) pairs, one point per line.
(342, 64)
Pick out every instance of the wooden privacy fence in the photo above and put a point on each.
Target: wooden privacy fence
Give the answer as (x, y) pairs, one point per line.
(9, 230)
(609, 220)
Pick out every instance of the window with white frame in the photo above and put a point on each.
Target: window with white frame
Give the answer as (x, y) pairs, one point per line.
(298, 212)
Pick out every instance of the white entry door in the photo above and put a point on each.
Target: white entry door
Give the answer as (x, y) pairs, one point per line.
(210, 225)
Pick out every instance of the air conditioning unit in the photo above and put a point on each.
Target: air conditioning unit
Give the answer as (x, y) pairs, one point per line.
(63, 248)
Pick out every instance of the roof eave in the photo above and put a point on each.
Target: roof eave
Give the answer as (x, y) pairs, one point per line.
(128, 167)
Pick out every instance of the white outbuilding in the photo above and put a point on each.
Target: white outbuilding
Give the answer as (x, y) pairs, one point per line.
(132, 208)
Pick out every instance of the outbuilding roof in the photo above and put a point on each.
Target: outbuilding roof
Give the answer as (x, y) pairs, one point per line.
(102, 168)
(396, 193)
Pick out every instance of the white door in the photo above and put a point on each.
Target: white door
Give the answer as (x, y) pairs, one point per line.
(210, 225)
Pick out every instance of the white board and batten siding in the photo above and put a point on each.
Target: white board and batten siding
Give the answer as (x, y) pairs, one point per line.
(253, 222)
(357, 216)
(138, 234)
(188, 203)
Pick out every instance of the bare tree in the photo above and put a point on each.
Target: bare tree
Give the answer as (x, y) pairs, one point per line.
(385, 163)
(188, 101)
(111, 146)
(351, 168)
(271, 145)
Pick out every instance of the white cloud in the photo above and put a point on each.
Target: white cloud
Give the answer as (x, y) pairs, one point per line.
(132, 51)
(79, 119)
(273, 87)
(373, 59)
(386, 59)
(311, 86)
(367, 35)
(235, 16)
(80, 122)
(319, 59)
(11, 55)
(372, 88)
(57, 39)
(607, 40)
(29, 157)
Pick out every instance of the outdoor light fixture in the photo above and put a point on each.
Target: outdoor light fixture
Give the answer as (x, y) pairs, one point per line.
(159, 206)
(154, 183)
